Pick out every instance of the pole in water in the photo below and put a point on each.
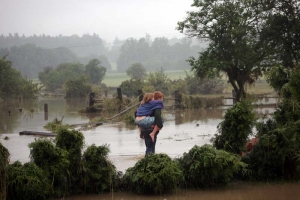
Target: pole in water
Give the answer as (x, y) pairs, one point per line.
(46, 111)
(45, 107)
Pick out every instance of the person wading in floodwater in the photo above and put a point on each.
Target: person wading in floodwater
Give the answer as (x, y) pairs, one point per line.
(150, 139)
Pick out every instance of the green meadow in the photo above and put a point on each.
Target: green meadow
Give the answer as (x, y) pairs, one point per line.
(115, 79)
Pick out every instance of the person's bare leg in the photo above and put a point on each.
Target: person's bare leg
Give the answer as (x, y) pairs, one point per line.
(152, 134)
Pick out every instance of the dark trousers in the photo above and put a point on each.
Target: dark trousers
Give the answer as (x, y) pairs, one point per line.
(150, 146)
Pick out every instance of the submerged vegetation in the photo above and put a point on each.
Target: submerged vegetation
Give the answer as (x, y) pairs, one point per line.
(4, 163)
(154, 174)
(58, 168)
(205, 167)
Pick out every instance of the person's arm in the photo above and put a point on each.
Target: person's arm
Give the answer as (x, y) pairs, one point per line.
(158, 119)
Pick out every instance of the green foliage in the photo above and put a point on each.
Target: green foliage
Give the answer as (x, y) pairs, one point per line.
(77, 88)
(234, 47)
(154, 174)
(71, 141)
(100, 172)
(54, 79)
(281, 27)
(129, 118)
(136, 71)
(53, 161)
(159, 80)
(179, 85)
(4, 162)
(130, 87)
(94, 71)
(27, 182)
(204, 86)
(195, 102)
(294, 84)
(276, 155)
(13, 85)
(54, 125)
(236, 127)
(132, 51)
(278, 76)
(207, 167)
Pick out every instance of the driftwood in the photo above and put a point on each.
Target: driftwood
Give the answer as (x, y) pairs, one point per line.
(38, 133)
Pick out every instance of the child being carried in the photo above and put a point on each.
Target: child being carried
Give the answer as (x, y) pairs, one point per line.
(143, 115)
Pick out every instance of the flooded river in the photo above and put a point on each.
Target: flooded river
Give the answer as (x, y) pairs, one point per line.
(182, 130)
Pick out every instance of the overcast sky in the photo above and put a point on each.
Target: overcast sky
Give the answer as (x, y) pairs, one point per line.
(107, 18)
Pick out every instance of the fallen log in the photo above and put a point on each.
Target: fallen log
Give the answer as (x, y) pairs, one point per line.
(37, 133)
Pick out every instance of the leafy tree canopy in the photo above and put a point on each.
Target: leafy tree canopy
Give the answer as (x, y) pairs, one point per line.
(54, 79)
(234, 47)
(136, 71)
(94, 71)
(13, 85)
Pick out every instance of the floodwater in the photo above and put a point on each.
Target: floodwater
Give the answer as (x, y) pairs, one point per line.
(234, 191)
(182, 130)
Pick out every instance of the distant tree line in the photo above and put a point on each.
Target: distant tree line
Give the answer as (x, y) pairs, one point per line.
(30, 55)
(158, 54)
(30, 59)
(81, 46)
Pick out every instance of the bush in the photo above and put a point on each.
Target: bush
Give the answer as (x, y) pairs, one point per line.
(154, 174)
(234, 130)
(53, 161)
(207, 167)
(100, 172)
(27, 182)
(4, 162)
(77, 88)
(276, 155)
(72, 141)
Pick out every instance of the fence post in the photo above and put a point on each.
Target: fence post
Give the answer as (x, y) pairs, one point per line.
(177, 99)
(119, 94)
(92, 99)
(141, 96)
(46, 111)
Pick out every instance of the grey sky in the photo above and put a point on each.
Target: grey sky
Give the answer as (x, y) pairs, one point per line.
(107, 18)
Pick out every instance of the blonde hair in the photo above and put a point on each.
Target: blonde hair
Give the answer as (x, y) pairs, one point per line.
(147, 97)
(157, 95)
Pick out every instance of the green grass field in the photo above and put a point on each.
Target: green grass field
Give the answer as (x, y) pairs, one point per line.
(115, 79)
(260, 86)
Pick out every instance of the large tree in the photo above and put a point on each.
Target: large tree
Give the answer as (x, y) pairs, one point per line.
(13, 85)
(95, 71)
(54, 78)
(281, 29)
(136, 71)
(235, 50)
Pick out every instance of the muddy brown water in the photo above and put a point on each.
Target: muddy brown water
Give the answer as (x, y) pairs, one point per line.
(182, 130)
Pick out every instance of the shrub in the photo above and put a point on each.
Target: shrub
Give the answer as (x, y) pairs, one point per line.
(4, 162)
(27, 182)
(235, 129)
(156, 173)
(72, 141)
(100, 172)
(207, 167)
(53, 161)
(276, 155)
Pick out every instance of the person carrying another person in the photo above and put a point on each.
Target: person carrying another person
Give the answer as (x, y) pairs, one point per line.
(143, 118)
(150, 129)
